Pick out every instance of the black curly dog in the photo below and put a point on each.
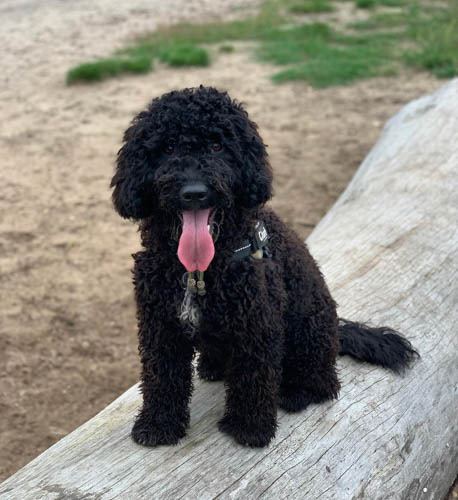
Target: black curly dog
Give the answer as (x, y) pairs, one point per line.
(194, 172)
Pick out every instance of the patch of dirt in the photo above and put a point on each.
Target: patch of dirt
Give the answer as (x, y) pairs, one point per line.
(67, 325)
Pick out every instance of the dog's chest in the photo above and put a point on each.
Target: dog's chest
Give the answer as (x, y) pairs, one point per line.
(190, 313)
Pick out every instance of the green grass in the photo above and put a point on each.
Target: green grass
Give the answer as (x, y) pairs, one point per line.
(369, 4)
(366, 25)
(436, 40)
(184, 54)
(325, 57)
(336, 66)
(292, 45)
(432, 33)
(380, 20)
(107, 68)
(311, 6)
(365, 4)
(310, 51)
(392, 3)
(227, 49)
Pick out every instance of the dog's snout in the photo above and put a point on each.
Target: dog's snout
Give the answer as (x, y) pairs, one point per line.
(194, 193)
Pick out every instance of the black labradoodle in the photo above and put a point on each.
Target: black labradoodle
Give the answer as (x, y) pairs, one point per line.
(221, 274)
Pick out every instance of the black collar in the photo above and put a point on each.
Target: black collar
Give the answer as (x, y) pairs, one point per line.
(257, 242)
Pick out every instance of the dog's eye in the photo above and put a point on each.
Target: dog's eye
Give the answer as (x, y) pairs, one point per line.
(168, 149)
(216, 146)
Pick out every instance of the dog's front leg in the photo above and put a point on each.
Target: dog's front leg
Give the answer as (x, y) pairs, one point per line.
(166, 356)
(166, 385)
(254, 369)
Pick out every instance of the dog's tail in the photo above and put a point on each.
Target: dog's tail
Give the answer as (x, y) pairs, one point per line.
(379, 346)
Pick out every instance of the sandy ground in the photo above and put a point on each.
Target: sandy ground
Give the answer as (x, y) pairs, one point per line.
(67, 325)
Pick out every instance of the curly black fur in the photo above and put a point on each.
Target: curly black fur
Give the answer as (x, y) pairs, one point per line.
(267, 327)
(381, 346)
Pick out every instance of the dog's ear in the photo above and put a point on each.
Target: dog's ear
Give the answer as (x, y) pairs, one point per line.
(133, 179)
(256, 172)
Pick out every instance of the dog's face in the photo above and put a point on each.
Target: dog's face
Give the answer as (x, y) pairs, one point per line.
(189, 154)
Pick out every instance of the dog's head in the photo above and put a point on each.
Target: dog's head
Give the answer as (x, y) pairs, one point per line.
(192, 152)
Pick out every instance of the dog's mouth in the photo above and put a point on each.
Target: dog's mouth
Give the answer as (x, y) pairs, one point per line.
(195, 247)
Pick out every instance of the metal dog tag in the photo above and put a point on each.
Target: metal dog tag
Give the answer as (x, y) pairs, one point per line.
(200, 283)
(189, 282)
(193, 283)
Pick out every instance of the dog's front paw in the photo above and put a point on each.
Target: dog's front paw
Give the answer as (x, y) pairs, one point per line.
(248, 433)
(147, 432)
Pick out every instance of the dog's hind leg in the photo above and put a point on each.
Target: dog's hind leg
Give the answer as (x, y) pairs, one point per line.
(309, 372)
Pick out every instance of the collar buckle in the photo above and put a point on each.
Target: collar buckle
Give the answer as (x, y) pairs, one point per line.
(257, 246)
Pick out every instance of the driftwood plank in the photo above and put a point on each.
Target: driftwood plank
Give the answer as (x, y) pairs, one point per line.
(388, 249)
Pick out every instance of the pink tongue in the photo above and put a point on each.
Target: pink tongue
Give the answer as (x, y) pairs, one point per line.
(195, 249)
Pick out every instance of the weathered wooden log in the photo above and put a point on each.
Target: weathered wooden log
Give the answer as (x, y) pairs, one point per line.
(389, 251)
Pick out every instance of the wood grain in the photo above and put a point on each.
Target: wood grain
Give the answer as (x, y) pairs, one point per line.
(388, 249)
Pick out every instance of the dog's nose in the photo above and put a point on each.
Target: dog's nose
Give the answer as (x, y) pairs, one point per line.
(194, 193)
